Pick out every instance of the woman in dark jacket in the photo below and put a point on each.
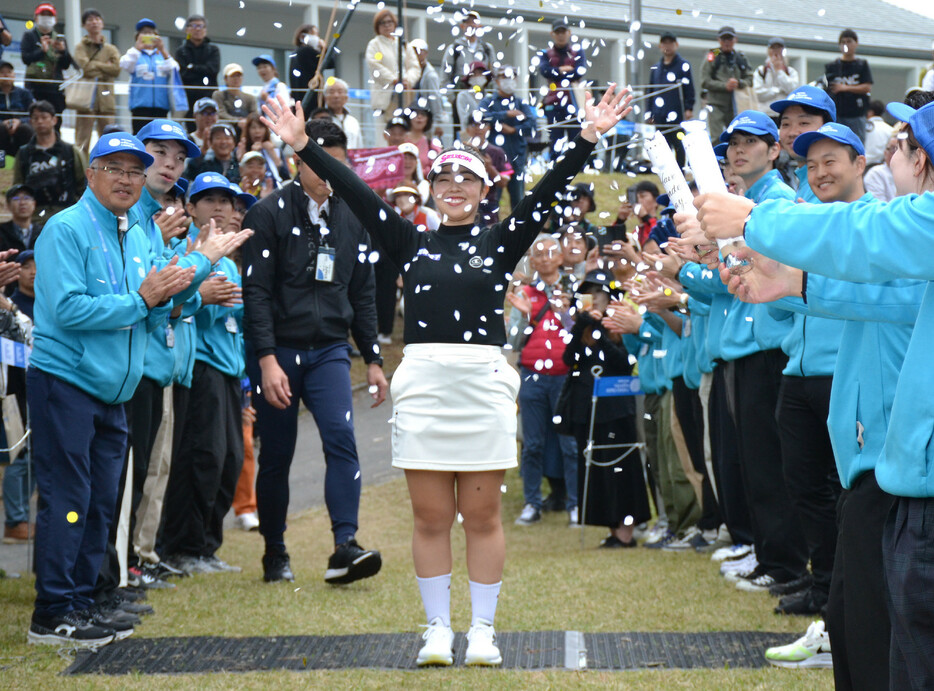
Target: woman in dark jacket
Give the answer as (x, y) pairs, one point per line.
(616, 495)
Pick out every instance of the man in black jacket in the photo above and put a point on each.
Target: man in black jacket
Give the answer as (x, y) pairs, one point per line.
(307, 281)
(199, 61)
(669, 107)
(20, 232)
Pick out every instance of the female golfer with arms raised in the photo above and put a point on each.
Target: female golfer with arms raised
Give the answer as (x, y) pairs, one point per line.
(454, 395)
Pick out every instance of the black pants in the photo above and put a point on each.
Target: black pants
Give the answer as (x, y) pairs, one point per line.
(673, 141)
(780, 545)
(856, 615)
(908, 555)
(210, 449)
(142, 116)
(809, 468)
(690, 414)
(385, 273)
(724, 447)
(10, 143)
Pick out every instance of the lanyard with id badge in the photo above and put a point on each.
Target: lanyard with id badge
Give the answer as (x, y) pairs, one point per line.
(324, 256)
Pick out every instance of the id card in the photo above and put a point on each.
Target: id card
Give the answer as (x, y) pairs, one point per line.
(324, 268)
(230, 324)
(169, 337)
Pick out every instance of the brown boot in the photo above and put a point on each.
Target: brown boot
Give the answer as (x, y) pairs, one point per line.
(19, 533)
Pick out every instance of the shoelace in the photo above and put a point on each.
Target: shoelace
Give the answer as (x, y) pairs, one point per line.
(430, 629)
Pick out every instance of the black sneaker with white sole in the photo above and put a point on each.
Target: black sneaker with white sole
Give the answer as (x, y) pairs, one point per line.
(73, 629)
(116, 601)
(350, 562)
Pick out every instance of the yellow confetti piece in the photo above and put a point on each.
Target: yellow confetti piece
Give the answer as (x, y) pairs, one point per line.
(668, 292)
(541, 19)
(677, 11)
(329, 81)
(29, 24)
(378, 57)
(680, 135)
(553, 86)
(477, 88)
(337, 34)
(72, 517)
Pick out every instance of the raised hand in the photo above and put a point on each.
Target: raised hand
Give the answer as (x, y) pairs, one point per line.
(289, 126)
(602, 116)
(521, 302)
(621, 319)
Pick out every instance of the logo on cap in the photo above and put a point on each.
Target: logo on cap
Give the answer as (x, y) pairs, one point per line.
(116, 142)
(168, 128)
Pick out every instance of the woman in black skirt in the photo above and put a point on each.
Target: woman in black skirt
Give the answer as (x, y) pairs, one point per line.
(616, 495)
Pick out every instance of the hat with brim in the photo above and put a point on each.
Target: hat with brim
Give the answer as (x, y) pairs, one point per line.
(459, 161)
(403, 189)
(559, 24)
(264, 57)
(223, 127)
(46, 7)
(831, 130)
(145, 23)
(180, 187)
(121, 143)
(168, 130)
(244, 197)
(726, 31)
(25, 256)
(409, 148)
(599, 278)
(203, 103)
(251, 156)
(809, 96)
(207, 182)
(750, 122)
(19, 187)
(921, 122)
(720, 151)
(232, 68)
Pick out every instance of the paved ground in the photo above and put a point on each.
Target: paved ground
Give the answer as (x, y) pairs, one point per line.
(307, 475)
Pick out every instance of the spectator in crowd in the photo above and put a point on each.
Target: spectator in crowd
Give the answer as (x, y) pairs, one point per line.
(563, 67)
(407, 201)
(879, 181)
(397, 130)
(151, 69)
(421, 121)
(221, 156)
(467, 48)
(512, 121)
(98, 61)
(428, 88)
(256, 137)
(615, 494)
(335, 100)
(206, 116)
(302, 353)
(468, 100)
(199, 61)
(849, 81)
(24, 295)
(725, 70)
(234, 104)
(878, 133)
(265, 65)
(87, 350)
(255, 177)
(14, 106)
(303, 63)
(476, 134)
(46, 57)
(669, 108)
(537, 321)
(382, 63)
(50, 166)
(6, 38)
(204, 473)
(774, 79)
(645, 210)
(19, 233)
(244, 501)
(573, 208)
(805, 109)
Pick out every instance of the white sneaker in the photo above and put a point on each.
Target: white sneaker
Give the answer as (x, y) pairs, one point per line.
(572, 518)
(656, 533)
(383, 339)
(755, 585)
(684, 543)
(731, 552)
(529, 516)
(811, 651)
(439, 645)
(247, 521)
(481, 645)
(731, 570)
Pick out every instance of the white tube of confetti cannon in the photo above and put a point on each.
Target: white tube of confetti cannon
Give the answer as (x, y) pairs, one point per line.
(709, 178)
(669, 172)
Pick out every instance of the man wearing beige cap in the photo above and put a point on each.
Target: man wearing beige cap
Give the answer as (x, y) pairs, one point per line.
(233, 104)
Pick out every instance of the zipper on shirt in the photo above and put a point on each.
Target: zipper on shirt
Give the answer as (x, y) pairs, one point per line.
(126, 281)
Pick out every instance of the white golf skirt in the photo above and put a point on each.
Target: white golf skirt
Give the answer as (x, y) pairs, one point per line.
(454, 408)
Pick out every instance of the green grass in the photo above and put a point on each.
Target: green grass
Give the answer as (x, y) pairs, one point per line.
(550, 583)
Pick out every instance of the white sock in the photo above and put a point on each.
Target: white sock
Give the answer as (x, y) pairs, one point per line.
(436, 597)
(483, 599)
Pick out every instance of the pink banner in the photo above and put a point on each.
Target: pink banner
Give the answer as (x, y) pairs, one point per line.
(380, 168)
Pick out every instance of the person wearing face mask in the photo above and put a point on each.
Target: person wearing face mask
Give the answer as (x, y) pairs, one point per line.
(465, 50)
(46, 57)
(468, 100)
(303, 62)
(512, 122)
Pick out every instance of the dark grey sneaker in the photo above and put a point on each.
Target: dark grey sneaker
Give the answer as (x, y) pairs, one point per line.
(350, 562)
(121, 622)
(219, 565)
(72, 629)
(277, 567)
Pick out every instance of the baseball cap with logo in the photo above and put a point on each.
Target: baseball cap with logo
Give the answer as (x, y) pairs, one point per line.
(264, 57)
(202, 104)
(168, 129)
(207, 182)
(121, 142)
(232, 68)
(726, 31)
(807, 96)
(921, 122)
(244, 197)
(751, 122)
(830, 130)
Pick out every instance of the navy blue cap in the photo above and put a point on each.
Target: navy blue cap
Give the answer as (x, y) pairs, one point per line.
(245, 197)
(921, 122)
(145, 23)
(207, 182)
(830, 130)
(264, 57)
(24, 256)
(20, 187)
(180, 187)
(121, 142)
(168, 129)
(720, 151)
(807, 96)
(751, 122)
(663, 200)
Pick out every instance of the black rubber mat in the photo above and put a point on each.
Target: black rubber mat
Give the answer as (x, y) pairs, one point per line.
(521, 650)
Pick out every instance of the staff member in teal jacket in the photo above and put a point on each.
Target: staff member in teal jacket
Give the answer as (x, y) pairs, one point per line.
(211, 437)
(97, 294)
(805, 109)
(807, 236)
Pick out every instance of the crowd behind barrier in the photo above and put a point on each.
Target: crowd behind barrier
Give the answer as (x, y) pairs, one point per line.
(174, 287)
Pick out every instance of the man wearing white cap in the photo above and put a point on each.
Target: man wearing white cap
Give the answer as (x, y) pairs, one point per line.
(234, 104)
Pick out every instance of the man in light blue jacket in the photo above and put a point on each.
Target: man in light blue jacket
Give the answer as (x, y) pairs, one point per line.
(97, 296)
